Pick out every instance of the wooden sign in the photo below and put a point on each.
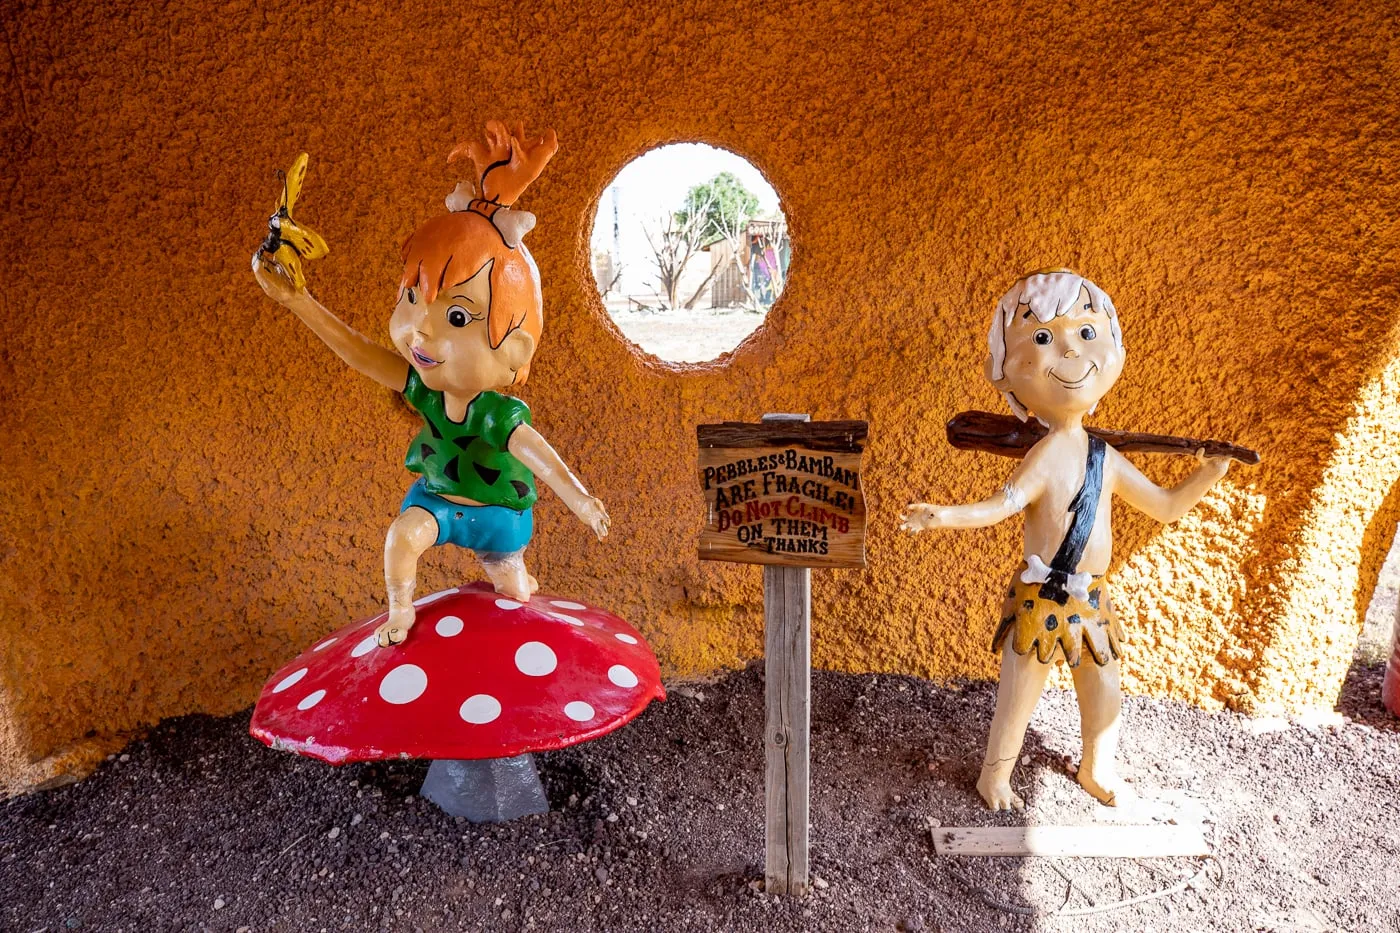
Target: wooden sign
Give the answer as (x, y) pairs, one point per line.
(783, 492)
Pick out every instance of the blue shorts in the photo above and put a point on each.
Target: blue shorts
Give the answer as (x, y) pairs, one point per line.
(489, 530)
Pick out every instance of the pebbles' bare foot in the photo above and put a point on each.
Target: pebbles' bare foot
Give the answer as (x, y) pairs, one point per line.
(995, 787)
(516, 588)
(510, 578)
(395, 629)
(1107, 787)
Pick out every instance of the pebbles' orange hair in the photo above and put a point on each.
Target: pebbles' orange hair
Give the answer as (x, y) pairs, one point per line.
(451, 248)
(506, 161)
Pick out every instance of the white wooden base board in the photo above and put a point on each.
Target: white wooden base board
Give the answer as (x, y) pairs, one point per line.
(1077, 841)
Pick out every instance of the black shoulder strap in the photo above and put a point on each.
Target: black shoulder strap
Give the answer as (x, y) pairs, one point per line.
(1085, 507)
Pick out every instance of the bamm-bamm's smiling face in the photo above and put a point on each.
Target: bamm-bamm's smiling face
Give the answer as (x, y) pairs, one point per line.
(447, 339)
(1061, 367)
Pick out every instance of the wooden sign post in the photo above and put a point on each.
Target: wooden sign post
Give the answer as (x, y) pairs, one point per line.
(785, 493)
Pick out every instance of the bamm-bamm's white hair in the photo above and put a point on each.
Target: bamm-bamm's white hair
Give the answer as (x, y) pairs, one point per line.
(1047, 295)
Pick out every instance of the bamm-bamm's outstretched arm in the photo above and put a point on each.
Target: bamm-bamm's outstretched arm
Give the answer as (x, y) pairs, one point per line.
(922, 516)
(359, 352)
(1023, 487)
(531, 449)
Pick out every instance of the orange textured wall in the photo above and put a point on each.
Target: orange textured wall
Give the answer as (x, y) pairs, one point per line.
(193, 488)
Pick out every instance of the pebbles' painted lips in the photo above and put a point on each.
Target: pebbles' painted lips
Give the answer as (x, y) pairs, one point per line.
(1079, 384)
(423, 359)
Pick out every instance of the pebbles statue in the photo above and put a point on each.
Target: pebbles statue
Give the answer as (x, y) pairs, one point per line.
(494, 672)
(466, 323)
(1055, 351)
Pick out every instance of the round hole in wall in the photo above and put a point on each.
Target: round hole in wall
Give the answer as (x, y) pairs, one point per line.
(689, 250)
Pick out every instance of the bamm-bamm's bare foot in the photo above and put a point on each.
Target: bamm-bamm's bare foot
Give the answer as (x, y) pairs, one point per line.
(995, 787)
(394, 630)
(1106, 786)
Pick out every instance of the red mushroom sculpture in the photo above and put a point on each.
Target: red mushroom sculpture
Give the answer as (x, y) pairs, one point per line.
(482, 682)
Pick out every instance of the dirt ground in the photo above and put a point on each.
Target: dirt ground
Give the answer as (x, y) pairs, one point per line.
(660, 827)
(686, 336)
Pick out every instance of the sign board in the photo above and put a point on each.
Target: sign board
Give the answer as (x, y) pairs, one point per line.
(783, 492)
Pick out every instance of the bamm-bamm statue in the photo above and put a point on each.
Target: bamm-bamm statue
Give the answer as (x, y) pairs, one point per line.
(1055, 351)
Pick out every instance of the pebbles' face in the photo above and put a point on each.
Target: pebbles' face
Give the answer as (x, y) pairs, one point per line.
(1064, 366)
(446, 340)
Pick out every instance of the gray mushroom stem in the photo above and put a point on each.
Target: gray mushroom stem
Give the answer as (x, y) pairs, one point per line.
(491, 790)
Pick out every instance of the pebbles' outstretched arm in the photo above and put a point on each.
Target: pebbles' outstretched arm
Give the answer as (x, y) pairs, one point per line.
(358, 351)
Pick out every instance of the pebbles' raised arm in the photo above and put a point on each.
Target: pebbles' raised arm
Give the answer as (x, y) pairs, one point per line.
(359, 352)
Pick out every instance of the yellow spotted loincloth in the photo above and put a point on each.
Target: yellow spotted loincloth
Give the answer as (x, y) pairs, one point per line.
(1055, 630)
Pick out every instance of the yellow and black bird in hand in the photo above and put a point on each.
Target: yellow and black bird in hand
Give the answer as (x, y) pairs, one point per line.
(288, 242)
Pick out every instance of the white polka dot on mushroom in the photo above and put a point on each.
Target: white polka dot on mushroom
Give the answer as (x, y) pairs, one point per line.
(480, 709)
(625, 638)
(366, 645)
(566, 604)
(622, 675)
(565, 617)
(311, 699)
(289, 680)
(578, 711)
(504, 603)
(325, 644)
(403, 684)
(536, 659)
(448, 626)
